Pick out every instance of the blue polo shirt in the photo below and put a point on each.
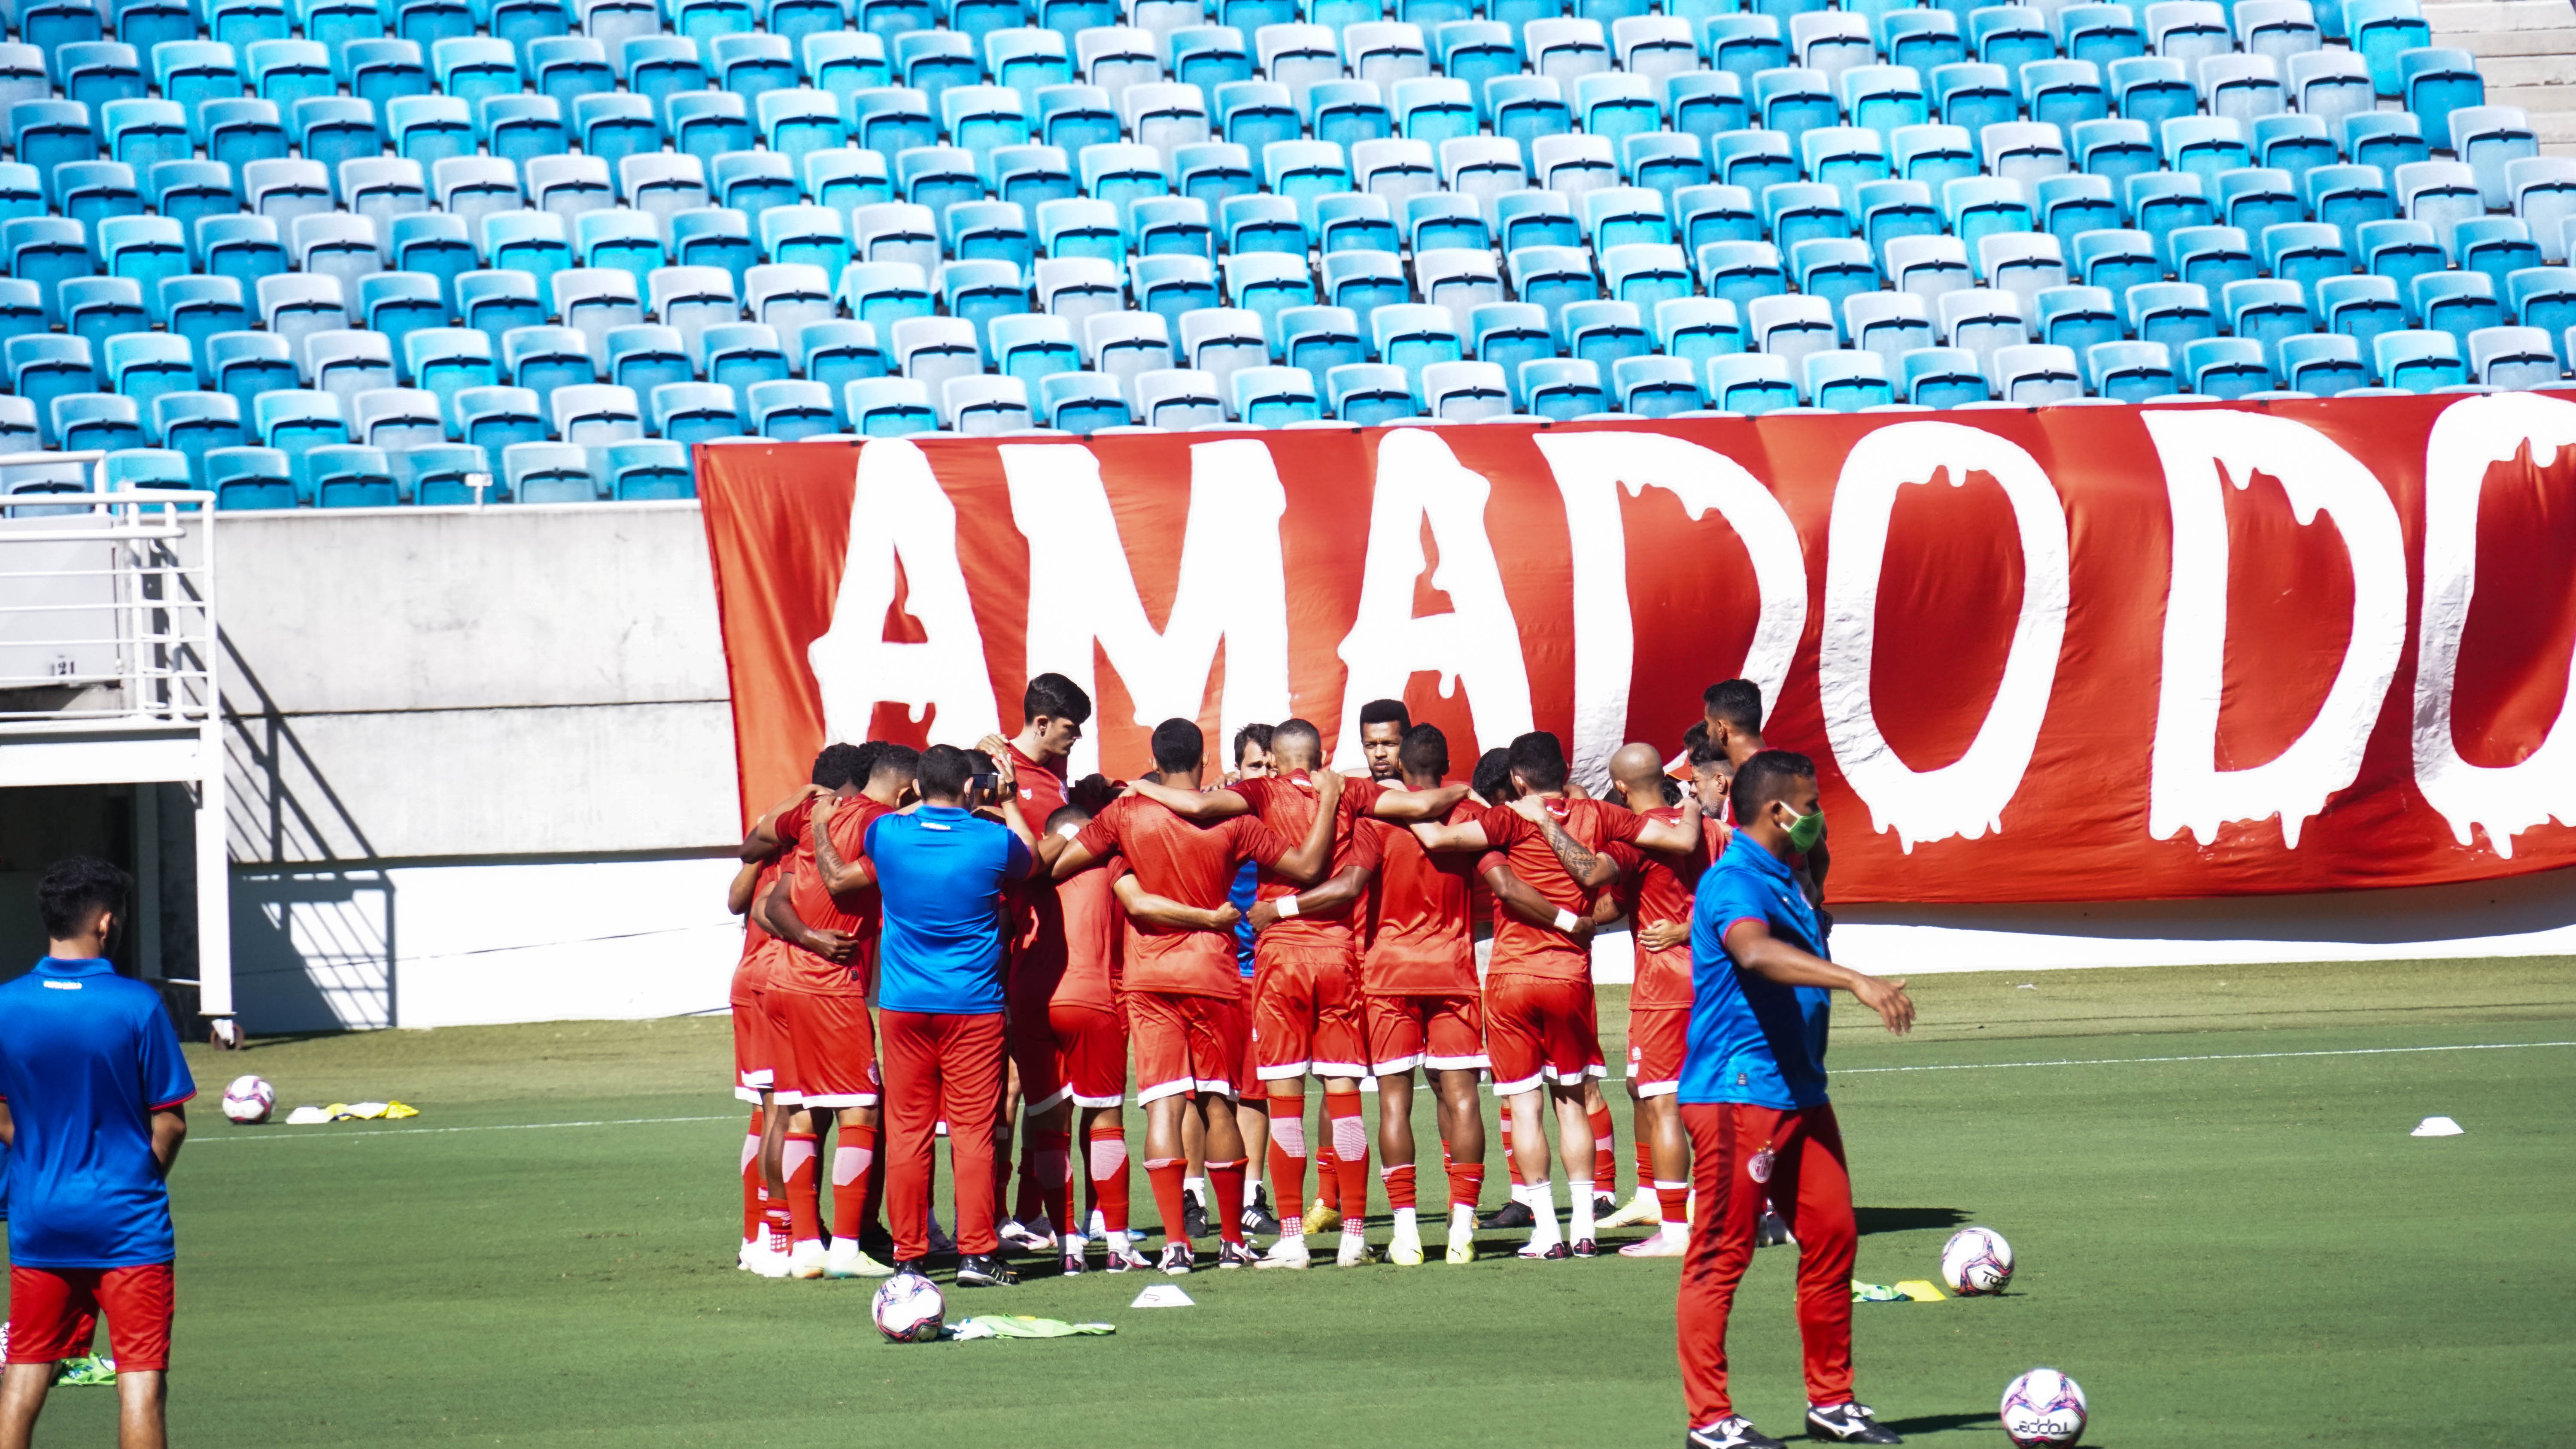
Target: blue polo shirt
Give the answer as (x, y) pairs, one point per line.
(86, 1057)
(1247, 886)
(940, 872)
(1752, 1039)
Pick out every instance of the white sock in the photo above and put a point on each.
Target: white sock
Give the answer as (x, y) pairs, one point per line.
(1251, 1188)
(1406, 1221)
(1462, 1219)
(1197, 1188)
(1540, 1199)
(1676, 1232)
(1583, 1215)
(1117, 1242)
(1073, 1243)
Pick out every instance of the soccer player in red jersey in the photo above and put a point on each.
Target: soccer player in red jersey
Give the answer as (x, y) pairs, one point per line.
(828, 912)
(1655, 893)
(1184, 998)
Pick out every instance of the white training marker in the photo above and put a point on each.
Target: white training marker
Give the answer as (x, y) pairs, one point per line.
(2437, 1127)
(1163, 1295)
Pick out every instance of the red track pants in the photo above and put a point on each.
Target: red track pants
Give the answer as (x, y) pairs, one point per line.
(1739, 1155)
(941, 1068)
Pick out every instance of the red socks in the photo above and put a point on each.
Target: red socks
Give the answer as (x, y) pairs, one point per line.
(1645, 1157)
(1399, 1185)
(852, 1197)
(1467, 1183)
(1511, 1159)
(1350, 1152)
(751, 1182)
(1164, 1173)
(1048, 1161)
(1675, 1200)
(804, 1201)
(1288, 1158)
(774, 1222)
(1605, 1153)
(1225, 1194)
(1109, 1176)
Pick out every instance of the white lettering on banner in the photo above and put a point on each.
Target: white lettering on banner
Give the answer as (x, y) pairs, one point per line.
(1233, 586)
(2469, 437)
(898, 510)
(1477, 644)
(1590, 468)
(1965, 798)
(2186, 789)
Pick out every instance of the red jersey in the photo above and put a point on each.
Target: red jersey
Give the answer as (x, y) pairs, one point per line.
(1079, 944)
(1421, 939)
(1182, 861)
(1287, 805)
(802, 970)
(1041, 790)
(1656, 888)
(1522, 949)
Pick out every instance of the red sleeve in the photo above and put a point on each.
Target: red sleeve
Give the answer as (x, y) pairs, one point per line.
(1504, 828)
(1632, 865)
(1618, 822)
(1100, 837)
(1363, 849)
(1489, 861)
(1255, 841)
(1360, 796)
(1255, 793)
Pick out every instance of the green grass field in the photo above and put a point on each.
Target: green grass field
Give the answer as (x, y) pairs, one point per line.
(2224, 1233)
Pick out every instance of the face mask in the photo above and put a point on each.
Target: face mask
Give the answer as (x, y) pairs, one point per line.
(1807, 829)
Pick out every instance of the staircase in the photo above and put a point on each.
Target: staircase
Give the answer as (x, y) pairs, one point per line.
(2526, 49)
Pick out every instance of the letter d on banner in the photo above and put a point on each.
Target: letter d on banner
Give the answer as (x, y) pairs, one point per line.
(2187, 790)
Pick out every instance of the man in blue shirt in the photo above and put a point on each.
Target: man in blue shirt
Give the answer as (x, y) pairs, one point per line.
(94, 1089)
(1753, 1099)
(941, 871)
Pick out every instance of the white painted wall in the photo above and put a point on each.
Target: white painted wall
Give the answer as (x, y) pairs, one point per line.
(483, 771)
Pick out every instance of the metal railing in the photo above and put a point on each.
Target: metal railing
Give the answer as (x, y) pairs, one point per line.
(107, 608)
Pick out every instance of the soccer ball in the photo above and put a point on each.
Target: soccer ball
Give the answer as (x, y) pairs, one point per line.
(249, 1099)
(909, 1309)
(1976, 1261)
(2043, 1408)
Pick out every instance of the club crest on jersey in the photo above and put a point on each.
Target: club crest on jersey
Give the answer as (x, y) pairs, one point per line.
(1760, 1166)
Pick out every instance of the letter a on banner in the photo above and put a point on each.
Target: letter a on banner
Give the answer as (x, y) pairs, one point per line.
(1233, 587)
(1479, 644)
(899, 511)
(1966, 797)
(2469, 437)
(1589, 468)
(2186, 789)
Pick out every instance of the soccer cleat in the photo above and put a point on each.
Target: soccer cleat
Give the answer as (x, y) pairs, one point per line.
(984, 1270)
(1288, 1252)
(1178, 1259)
(1604, 1204)
(844, 1260)
(1732, 1432)
(1194, 1219)
(1128, 1260)
(1661, 1245)
(1322, 1217)
(1512, 1215)
(1546, 1252)
(1586, 1248)
(1071, 1265)
(1258, 1218)
(1462, 1245)
(1848, 1424)
(744, 1254)
(1028, 1239)
(770, 1263)
(1404, 1249)
(1236, 1255)
(1772, 1232)
(805, 1260)
(1644, 1208)
(1354, 1252)
(912, 1267)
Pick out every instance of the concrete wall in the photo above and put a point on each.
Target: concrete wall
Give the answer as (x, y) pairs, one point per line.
(483, 771)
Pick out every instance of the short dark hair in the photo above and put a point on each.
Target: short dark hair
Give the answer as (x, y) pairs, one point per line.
(1386, 711)
(1179, 744)
(1704, 755)
(1055, 696)
(943, 771)
(1765, 778)
(1672, 790)
(1696, 735)
(1736, 701)
(1425, 751)
(76, 886)
(1299, 735)
(1256, 735)
(1539, 760)
(840, 765)
(902, 761)
(1067, 814)
(1493, 775)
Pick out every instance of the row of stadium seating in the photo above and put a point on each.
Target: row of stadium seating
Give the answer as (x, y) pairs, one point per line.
(360, 253)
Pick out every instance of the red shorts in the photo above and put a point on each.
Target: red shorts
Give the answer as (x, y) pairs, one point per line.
(1186, 1044)
(53, 1314)
(1538, 1028)
(1069, 1050)
(1657, 1036)
(831, 1049)
(1306, 1013)
(771, 1008)
(1444, 1033)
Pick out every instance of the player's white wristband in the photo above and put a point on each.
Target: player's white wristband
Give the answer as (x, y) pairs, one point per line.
(1287, 908)
(1565, 922)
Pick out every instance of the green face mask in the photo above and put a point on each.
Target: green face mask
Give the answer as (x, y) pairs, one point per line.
(1807, 829)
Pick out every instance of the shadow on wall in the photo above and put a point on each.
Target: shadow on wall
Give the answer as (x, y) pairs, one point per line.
(313, 949)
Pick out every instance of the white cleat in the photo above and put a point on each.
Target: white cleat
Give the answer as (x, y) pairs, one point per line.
(1288, 1252)
(1354, 1252)
(1642, 1210)
(844, 1260)
(1661, 1245)
(768, 1263)
(1029, 1239)
(1462, 1243)
(806, 1260)
(1404, 1249)
(747, 1253)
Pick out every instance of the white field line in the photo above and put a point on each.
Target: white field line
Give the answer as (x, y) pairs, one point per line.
(2492, 1046)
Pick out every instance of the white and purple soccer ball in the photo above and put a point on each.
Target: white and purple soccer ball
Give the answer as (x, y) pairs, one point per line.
(1976, 1261)
(2043, 1409)
(909, 1309)
(249, 1099)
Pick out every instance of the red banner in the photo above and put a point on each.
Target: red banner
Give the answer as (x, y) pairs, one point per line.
(2093, 653)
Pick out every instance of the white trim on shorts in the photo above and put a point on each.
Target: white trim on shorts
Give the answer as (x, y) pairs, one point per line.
(836, 1103)
(1337, 1069)
(760, 1079)
(747, 1094)
(1080, 1100)
(1568, 1079)
(1031, 1108)
(1477, 1063)
(1284, 1071)
(1212, 1086)
(1396, 1066)
(1657, 1089)
(786, 1098)
(1525, 1084)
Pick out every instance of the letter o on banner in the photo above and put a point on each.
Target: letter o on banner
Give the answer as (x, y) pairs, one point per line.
(1965, 798)
(2469, 437)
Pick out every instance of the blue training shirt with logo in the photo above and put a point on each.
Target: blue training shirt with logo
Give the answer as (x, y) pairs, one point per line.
(1247, 886)
(86, 1057)
(940, 872)
(1752, 1039)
